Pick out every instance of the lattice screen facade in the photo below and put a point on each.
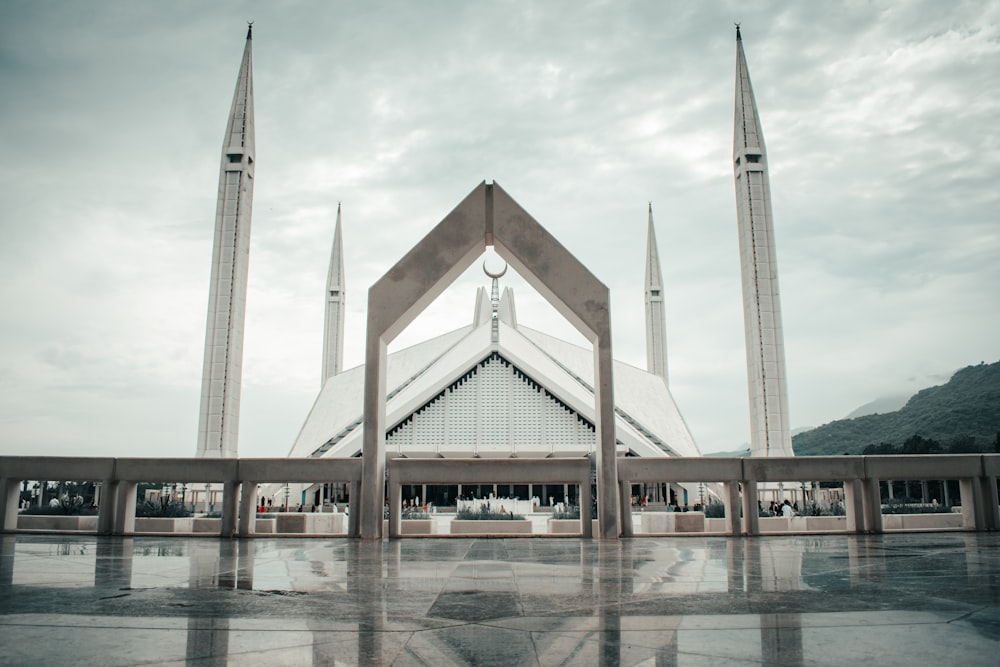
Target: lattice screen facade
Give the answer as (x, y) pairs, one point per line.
(494, 408)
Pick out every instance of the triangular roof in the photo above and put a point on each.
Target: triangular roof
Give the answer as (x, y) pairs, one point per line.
(647, 421)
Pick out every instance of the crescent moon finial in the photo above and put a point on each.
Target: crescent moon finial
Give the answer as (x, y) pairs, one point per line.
(494, 275)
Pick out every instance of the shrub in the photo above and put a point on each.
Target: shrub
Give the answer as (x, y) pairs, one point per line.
(715, 510)
(812, 508)
(486, 515)
(64, 508)
(148, 509)
(910, 506)
(410, 513)
(571, 513)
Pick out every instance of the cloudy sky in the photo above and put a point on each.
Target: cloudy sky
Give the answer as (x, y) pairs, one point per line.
(882, 135)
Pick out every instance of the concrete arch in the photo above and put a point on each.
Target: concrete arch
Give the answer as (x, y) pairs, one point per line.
(488, 216)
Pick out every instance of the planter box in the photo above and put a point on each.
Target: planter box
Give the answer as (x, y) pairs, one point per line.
(263, 526)
(934, 521)
(565, 526)
(499, 527)
(164, 525)
(715, 525)
(674, 522)
(57, 522)
(416, 526)
(206, 526)
(826, 523)
(773, 524)
(310, 523)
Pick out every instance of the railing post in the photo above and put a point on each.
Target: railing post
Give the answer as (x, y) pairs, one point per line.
(395, 504)
(751, 514)
(625, 499)
(872, 501)
(248, 509)
(10, 497)
(854, 506)
(125, 508)
(106, 509)
(991, 502)
(972, 503)
(353, 508)
(230, 489)
(734, 523)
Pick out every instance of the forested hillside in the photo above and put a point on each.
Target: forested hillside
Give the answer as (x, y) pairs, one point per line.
(962, 415)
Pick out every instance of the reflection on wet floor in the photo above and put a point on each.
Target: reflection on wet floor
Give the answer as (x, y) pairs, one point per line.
(893, 599)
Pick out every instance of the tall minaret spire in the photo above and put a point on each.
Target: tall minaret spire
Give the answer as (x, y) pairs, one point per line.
(770, 435)
(333, 329)
(656, 322)
(219, 421)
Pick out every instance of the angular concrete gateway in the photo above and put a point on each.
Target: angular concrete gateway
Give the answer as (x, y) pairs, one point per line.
(488, 216)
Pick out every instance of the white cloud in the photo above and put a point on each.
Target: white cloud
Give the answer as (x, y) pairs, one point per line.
(879, 119)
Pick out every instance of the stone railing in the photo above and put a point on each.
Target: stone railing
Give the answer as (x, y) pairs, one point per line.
(738, 478)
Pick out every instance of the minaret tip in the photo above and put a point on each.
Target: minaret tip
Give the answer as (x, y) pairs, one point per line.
(250, 29)
(739, 38)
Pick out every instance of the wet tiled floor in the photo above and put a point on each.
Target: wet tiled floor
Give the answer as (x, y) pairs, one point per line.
(796, 600)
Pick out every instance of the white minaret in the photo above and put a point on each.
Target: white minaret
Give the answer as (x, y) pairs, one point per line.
(769, 429)
(219, 421)
(333, 328)
(656, 319)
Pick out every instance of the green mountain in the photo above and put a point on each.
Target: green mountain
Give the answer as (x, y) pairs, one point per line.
(962, 415)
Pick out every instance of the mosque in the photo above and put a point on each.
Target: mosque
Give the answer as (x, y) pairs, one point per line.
(494, 388)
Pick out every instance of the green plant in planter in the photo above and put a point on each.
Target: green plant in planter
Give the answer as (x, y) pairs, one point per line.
(486, 515)
(572, 513)
(148, 509)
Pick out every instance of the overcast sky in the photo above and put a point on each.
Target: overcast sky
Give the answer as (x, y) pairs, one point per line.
(881, 122)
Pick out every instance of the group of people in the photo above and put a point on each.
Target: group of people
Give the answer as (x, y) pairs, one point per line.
(785, 508)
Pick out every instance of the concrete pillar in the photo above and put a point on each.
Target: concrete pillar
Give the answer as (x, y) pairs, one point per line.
(973, 514)
(248, 509)
(731, 498)
(230, 492)
(872, 501)
(106, 508)
(626, 509)
(991, 502)
(854, 506)
(395, 507)
(373, 448)
(354, 509)
(586, 521)
(125, 508)
(10, 495)
(751, 515)
(8, 547)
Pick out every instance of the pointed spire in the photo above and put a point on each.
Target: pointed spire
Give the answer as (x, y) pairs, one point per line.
(654, 276)
(240, 130)
(765, 348)
(333, 331)
(748, 139)
(656, 326)
(219, 419)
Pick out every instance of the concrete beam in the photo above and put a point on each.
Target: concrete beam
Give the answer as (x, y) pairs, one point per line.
(937, 466)
(488, 471)
(299, 470)
(803, 468)
(674, 469)
(177, 470)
